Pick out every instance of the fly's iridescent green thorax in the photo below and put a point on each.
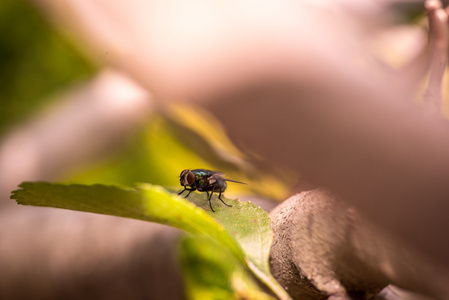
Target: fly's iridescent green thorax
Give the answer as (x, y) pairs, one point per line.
(204, 181)
(201, 177)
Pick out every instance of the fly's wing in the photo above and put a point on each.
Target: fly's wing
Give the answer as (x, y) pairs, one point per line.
(230, 180)
(219, 176)
(214, 176)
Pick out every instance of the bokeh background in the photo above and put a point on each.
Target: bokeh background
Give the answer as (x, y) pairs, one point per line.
(68, 116)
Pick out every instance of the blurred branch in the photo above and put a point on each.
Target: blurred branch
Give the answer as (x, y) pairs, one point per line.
(438, 43)
(322, 246)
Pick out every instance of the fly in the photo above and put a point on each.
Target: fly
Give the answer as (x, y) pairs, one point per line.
(205, 181)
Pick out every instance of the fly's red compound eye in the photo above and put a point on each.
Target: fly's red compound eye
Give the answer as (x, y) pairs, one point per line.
(190, 178)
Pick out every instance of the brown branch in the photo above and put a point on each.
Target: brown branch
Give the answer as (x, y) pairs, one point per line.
(323, 247)
(438, 43)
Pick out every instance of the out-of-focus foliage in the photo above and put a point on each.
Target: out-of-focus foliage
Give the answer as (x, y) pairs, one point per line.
(211, 273)
(408, 11)
(154, 156)
(35, 60)
(165, 147)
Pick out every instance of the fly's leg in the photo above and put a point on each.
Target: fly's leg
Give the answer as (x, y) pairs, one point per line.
(182, 191)
(209, 197)
(186, 189)
(219, 197)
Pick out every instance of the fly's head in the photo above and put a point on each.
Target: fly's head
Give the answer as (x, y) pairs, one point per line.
(187, 178)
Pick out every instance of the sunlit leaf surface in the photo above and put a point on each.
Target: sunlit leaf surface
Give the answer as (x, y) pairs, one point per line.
(242, 229)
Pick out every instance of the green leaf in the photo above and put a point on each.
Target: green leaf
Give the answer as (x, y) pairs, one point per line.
(34, 47)
(210, 272)
(243, 229)
(205, 274)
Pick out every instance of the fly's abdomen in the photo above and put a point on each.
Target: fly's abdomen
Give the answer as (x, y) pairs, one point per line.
(220, 186)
